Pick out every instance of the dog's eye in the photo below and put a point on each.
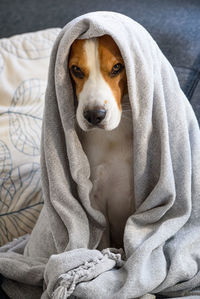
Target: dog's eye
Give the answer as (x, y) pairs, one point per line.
(77, 72)
(117, 68)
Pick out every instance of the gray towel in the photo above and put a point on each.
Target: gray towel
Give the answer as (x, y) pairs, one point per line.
(162, 238)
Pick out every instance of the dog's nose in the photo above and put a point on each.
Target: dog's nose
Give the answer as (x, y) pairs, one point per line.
(94, 116)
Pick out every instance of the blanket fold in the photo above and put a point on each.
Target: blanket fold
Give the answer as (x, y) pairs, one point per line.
(161, 239)
(77, 265)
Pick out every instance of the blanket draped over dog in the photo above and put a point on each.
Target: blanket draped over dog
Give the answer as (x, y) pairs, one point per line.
(162, 238)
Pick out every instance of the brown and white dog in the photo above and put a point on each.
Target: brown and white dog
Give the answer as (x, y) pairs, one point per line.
(104, 116)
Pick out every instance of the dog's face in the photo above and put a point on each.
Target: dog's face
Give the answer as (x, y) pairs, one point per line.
(97, 69)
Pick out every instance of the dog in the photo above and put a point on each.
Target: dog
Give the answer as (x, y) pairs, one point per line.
(103, 115)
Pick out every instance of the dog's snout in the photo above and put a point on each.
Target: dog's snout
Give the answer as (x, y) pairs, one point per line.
(94, 117)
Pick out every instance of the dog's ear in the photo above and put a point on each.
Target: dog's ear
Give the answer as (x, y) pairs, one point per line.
(73, 87)
(74, 92)
(72, 81)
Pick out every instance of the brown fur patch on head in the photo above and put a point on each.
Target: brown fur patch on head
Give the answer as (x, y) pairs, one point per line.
(77, 57)
(109, 55)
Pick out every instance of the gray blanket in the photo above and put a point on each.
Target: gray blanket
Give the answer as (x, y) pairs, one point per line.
(162, 238)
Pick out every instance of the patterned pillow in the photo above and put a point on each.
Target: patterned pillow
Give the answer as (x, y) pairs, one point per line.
(24, 63)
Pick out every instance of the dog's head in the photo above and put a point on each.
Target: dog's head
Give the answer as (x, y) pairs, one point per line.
(97, 70)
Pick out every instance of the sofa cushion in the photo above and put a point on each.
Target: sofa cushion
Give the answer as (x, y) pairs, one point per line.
(24, 63)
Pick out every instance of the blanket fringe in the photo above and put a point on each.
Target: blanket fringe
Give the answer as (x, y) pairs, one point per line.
(69, 280)
(115, 254)
(61, 293)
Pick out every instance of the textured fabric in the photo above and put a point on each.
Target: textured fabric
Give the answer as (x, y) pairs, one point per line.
(161, 239)
(24, 61)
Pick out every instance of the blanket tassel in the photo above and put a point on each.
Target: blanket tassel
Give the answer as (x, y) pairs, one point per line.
(61, 293)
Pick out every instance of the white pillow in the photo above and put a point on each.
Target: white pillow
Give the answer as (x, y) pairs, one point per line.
(24, 61)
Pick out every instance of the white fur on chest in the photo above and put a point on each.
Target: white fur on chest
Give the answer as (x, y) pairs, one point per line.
(110, 154)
